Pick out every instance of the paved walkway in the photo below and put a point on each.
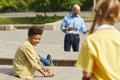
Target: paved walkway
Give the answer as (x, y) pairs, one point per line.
(51, 43)
(33, 14)
(61, 73)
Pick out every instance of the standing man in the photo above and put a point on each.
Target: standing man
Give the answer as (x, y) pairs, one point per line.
(26, 59)
(72, 25)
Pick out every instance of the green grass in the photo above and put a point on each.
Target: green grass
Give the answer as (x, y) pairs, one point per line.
(34, 20)
(30, 20)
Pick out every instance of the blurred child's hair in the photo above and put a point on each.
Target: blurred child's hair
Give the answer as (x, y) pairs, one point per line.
(106, 10)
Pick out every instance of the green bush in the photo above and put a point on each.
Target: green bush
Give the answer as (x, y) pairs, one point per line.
(30, 20)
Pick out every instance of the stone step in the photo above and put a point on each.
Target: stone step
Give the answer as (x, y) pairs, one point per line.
(56, 62)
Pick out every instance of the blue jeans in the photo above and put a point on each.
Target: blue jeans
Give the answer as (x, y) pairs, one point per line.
(71, 40)
(45, 61)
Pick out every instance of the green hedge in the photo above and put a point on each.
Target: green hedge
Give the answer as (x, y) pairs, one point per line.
(30, 20)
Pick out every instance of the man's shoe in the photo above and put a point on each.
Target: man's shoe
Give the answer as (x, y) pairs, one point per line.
(50, 59)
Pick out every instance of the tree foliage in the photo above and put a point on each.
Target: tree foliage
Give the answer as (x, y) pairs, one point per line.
(14, 5)
(67, 4)
(88, 4)
(42, 5)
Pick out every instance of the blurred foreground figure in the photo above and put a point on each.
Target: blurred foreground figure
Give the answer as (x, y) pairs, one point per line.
(99, 57)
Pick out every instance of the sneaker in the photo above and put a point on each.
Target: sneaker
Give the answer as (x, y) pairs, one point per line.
(50, 58)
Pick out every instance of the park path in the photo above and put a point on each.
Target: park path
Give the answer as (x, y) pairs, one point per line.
(51, 43)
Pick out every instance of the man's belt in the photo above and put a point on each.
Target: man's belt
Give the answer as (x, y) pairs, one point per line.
(72, 35)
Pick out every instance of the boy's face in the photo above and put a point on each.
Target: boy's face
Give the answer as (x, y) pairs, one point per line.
(35, 39)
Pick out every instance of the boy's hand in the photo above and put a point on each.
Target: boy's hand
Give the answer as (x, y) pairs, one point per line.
(48, 72)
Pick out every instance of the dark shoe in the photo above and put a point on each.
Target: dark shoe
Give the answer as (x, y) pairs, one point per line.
(50, 59)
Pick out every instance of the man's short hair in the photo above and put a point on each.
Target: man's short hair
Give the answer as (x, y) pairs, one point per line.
(34, 30)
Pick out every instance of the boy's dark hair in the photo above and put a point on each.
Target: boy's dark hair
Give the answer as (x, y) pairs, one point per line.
(35, 30)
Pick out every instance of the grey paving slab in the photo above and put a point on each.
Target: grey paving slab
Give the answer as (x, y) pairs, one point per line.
(51, 43)
(33, 14)
(61, 73)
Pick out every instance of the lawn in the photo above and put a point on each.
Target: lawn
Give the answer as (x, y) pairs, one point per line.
(30, 20)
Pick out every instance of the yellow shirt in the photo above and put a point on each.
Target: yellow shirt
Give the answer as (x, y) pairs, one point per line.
(25, 61)
(100, 54)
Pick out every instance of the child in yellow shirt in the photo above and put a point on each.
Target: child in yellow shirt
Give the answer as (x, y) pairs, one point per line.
(99, 57)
